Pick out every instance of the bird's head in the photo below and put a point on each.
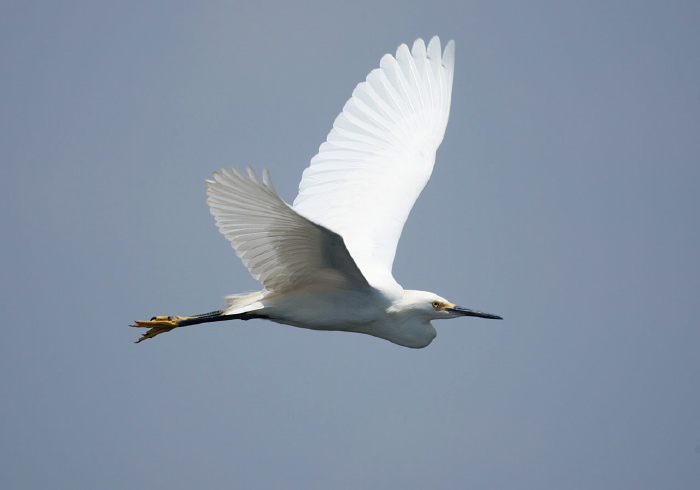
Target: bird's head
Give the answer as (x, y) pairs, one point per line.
(435, 307)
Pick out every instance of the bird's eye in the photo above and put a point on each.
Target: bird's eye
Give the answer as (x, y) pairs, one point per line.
(436, 304)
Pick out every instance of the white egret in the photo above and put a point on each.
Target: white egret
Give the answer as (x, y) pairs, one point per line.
(325, 262)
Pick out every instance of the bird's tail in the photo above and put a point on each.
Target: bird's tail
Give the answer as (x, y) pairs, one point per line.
(244, 303)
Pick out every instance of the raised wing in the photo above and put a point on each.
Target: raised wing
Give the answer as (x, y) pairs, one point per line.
(281, 249)
(379, 155)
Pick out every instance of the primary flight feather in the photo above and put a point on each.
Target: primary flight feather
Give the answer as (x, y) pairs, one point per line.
(325, 262)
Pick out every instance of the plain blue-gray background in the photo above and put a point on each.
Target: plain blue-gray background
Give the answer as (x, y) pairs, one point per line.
(565, 198)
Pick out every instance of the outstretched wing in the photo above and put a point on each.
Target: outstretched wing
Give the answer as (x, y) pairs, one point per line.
(380, 153)
(281, 249)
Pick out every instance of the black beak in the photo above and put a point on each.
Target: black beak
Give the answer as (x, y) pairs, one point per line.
(468, 312)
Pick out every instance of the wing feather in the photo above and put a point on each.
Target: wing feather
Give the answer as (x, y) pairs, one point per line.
(281, 249)
(379, 155)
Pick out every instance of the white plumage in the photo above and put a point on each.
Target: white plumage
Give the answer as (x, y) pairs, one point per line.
(325, 262)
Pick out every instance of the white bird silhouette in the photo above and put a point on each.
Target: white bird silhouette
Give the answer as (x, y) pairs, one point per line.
(325, 262)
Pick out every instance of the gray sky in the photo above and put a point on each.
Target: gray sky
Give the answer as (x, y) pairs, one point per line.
(565, 198)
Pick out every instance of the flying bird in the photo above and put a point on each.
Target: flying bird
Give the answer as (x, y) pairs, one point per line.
(325, 262)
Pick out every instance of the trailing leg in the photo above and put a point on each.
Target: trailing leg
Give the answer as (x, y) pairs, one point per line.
(162, 324)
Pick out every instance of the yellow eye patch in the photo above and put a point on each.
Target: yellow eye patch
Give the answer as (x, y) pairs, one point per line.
(439, 305)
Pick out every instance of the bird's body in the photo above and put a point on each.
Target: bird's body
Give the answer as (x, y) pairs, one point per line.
(368, 312)
(325, 262)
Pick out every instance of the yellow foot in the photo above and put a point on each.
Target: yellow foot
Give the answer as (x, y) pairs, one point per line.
(157, 325)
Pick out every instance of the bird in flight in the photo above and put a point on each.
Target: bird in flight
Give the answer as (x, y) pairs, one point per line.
(325, 262)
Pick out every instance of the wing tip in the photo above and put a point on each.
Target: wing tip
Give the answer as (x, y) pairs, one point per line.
(448, 55)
